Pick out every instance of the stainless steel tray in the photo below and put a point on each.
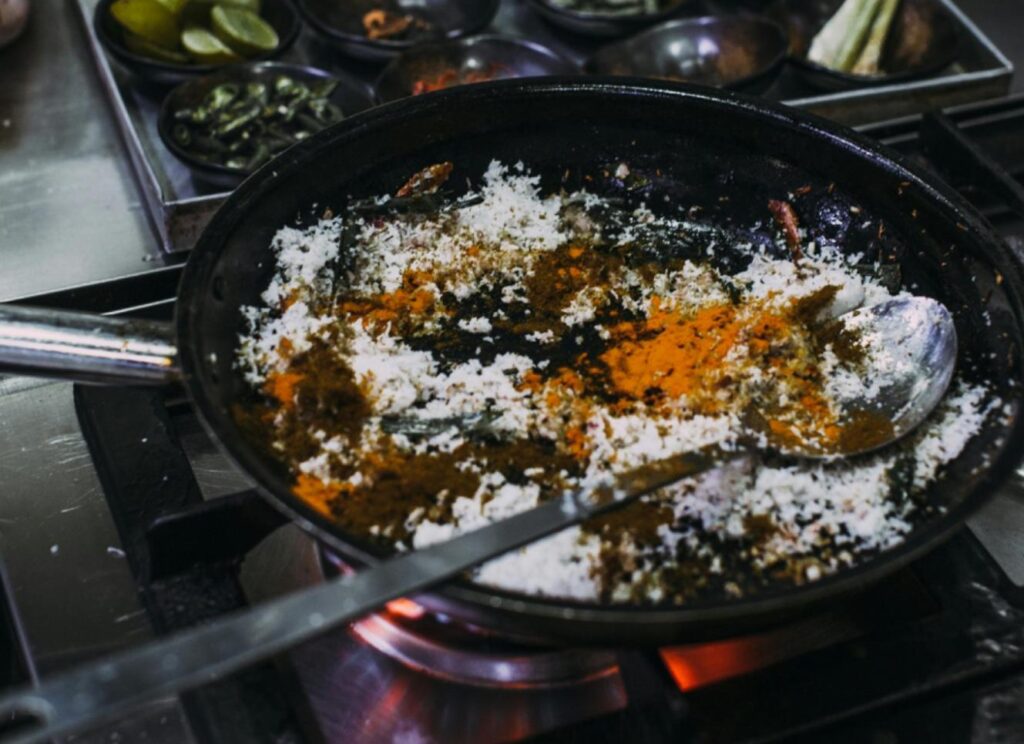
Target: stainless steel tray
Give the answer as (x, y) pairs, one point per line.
(179, 206)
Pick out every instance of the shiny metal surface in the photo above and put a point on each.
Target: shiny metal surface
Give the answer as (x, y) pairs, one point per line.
(915, 371)
(101, 691)
(56, 532)
(69, 208)
(85, 347)
(731, 52)
(539, 669)
(1000, 527)
(1001, 23)
(361, 697)
(70, 585)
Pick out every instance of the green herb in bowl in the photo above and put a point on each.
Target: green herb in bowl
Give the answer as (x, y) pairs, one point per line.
(242, 125)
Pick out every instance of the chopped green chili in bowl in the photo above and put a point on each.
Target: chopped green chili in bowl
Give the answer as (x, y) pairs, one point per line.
(226, 125)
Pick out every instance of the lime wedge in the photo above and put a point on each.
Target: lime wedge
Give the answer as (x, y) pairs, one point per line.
(253, 6)
(243, 30)
(198, 11)
(206, 48)
(147, 49)
(175, 6)
(148, 20)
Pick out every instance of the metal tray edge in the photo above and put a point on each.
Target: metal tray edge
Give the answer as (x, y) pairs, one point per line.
(150, 186)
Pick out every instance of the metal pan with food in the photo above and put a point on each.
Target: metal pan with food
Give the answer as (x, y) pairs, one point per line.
(510, 290)
(575, 277)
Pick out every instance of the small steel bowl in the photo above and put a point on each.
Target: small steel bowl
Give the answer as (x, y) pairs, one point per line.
(340, 23)
(505, 56)
(278, 13)
(603, 24)
(740, 52)
(351, 96)
(922, 40)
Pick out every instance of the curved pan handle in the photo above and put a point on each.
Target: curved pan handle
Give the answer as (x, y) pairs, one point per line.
(86, 348)
(100, 691)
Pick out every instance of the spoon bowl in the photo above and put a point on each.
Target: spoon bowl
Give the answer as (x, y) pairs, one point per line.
(910, 348)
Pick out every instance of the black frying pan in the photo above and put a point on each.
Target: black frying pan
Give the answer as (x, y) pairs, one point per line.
(723, 153)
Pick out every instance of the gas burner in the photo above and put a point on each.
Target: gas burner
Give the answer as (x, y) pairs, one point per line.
(442, 647)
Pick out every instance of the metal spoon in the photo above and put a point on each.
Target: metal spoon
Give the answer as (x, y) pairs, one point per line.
(910, 378)
(917, 340)
(918, 332)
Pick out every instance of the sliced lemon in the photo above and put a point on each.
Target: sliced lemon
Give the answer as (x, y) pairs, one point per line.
(206, 48)
(148, 20)
(243, 30)
(148, 49)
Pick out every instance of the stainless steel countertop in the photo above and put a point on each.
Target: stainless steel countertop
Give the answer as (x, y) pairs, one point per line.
(70, 211)
(70, 585)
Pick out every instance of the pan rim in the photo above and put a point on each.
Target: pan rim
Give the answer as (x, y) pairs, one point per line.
(791, 599)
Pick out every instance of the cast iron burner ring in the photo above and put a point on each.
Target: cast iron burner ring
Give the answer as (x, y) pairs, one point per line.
(441, 647)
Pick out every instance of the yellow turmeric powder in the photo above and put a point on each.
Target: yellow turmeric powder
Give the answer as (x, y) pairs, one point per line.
(669, 352)
(382, 309)
(703, 357)
(316, 493)
(281, 387)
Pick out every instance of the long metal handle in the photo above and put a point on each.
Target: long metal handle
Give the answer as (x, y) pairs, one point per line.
(101, 691)
(86, 348)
